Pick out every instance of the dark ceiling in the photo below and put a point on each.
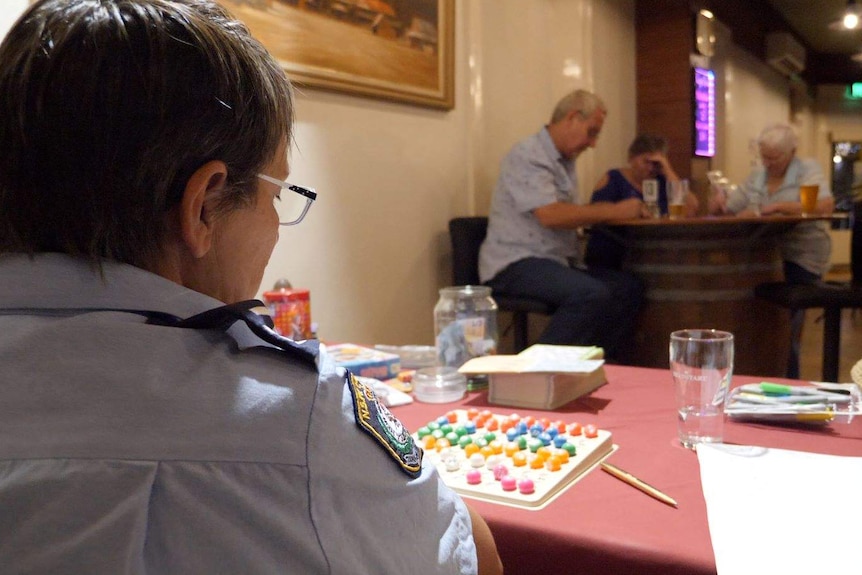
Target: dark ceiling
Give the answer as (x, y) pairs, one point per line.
(829, 50)
(818, 23)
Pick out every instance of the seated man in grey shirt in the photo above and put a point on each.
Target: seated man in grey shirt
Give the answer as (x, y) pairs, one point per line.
(531, 248)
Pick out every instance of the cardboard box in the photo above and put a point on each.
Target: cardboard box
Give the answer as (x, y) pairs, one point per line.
(364, 361)
(541, 376)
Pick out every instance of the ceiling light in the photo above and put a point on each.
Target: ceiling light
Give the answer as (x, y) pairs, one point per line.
(851, 15)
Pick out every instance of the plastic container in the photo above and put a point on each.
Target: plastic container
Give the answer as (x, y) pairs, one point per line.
(465, 324)
(291, 312)
(439, 384)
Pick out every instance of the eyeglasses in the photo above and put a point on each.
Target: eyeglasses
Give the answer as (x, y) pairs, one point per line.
(291, 208)
(773, 158)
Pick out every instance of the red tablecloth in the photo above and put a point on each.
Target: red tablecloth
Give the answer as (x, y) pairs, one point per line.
(602, 525)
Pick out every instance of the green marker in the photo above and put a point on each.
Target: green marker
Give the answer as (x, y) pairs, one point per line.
(775, 388)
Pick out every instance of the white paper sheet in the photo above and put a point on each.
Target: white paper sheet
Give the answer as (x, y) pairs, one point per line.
(780, 511)
(539, 358)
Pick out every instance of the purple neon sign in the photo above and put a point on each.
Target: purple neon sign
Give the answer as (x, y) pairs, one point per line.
(704, 112)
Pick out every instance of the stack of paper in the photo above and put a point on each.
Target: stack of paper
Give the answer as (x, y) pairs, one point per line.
(780, 511)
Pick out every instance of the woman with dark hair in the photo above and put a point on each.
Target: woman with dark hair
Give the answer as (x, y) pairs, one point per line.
(647, 160)
(151, 422)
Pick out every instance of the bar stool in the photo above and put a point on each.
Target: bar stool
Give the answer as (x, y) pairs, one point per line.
(833, 297)
(467, 235)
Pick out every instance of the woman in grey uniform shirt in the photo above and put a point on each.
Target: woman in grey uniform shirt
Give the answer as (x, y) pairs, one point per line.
(145, 426)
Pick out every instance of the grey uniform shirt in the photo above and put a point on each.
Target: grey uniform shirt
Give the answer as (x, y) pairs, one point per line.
(808, 244)
(134, 448)
(533, 174)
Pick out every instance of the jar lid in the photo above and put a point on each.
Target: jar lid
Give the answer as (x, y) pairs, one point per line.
(439, 384)
(282, 295)
(468, 290)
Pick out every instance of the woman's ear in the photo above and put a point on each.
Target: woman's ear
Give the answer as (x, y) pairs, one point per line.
(196, 217)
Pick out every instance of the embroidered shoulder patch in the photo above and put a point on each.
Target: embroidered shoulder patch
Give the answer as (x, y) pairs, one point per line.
(377, 421)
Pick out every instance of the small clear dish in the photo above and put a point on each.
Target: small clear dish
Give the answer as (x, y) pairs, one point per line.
(439, 385)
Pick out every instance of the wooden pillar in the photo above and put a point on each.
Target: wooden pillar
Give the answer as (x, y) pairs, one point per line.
(665, 91)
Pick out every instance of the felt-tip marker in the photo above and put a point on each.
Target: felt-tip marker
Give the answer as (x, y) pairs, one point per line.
(778, 392)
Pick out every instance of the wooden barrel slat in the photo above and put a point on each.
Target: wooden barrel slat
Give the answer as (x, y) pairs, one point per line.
(704, 277)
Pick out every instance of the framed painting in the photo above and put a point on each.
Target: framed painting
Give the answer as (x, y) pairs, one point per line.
(398, 50)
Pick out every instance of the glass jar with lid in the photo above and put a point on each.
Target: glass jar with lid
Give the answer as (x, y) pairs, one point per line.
(465, 324)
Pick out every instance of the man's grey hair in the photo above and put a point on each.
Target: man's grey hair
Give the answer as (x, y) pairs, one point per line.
(586, 103)
(778, 138)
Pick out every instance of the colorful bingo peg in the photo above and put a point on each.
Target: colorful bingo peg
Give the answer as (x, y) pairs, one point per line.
(508, 483)
(500, 471)
(450, 460)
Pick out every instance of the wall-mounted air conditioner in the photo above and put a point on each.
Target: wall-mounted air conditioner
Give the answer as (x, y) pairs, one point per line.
(784, 53)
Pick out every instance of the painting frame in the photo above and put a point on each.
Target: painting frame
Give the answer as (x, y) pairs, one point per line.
(347, 72)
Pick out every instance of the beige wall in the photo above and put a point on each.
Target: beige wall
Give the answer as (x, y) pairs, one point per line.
(9, 12)
(755, 95)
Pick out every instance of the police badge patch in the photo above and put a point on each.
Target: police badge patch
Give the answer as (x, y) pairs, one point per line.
(377, 421)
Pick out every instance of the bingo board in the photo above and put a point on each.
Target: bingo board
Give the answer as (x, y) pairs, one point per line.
(510, 459)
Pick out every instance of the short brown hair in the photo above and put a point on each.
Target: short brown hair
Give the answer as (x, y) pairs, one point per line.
(108, 106)
(646, 144)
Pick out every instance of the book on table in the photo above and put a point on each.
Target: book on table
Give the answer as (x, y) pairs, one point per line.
(541, 376)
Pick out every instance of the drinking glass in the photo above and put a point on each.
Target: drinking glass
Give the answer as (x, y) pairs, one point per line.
(676, 193)
(650, 193)
(701, 363)
(808, 198)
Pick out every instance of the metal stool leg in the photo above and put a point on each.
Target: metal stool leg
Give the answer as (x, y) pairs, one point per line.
(831, 343)
(520, 321)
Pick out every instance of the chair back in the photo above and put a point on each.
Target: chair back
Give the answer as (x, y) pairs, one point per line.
(856, 244)
(467, 235)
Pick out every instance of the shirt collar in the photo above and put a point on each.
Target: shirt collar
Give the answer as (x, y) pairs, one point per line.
(550, 149)
(53, 280)
(791, 175)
